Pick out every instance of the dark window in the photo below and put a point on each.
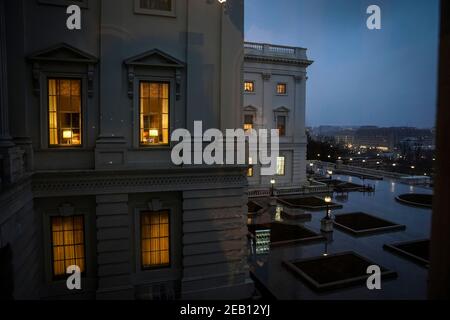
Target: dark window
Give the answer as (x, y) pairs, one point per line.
(163, 5)
(281, 125)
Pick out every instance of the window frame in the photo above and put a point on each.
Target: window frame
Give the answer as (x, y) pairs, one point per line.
(59, 146)
(141, 145)
(90, 254)
(284, 166)
(137, 99)
(45, 121)
(160, 267)
(254, 87)
(285, 88)
(64, 277)
(153, 12)
(285, 124)
(252, 115)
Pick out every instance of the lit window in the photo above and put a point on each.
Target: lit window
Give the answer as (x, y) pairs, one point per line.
(67, 244)
(64, 112)
(249, 86)
(163, 5)
(281, 88)
(280, 166)
(250, 168)
(248, 122)
(281, 125)
(154, 113)
(155, 250)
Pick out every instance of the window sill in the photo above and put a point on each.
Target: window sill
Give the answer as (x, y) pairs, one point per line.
(65, 3)
(160, 13)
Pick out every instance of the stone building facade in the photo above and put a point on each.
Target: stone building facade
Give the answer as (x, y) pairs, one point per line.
(87, 178)
(275, 98)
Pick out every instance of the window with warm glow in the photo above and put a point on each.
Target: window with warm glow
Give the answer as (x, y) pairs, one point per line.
(154, 113)
(249, 86)
(281, 125)
(67, 244)
(248, 122)
(250, 168)
(155, 239)
(281, 88)
(280, 166)
(64, 112)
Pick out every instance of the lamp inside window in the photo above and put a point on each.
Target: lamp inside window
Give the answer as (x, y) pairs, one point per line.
(154, 113)
(64, 112)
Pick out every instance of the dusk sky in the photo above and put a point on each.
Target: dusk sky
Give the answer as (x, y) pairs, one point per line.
(384, 77)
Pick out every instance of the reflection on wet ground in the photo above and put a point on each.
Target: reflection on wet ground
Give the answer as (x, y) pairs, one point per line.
(268, 264)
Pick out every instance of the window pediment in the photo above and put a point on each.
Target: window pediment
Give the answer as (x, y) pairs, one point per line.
(63, 53)
(281, 110)
(250, 108)
(154, 58)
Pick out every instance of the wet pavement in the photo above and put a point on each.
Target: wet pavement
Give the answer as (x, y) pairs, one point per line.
(411, 282)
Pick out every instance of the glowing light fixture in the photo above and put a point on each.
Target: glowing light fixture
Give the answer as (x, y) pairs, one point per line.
(67, 134)
(327, 199)
(153, 133)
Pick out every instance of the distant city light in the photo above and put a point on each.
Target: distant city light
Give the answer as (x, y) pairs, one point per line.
(413, 167)
(394, 165)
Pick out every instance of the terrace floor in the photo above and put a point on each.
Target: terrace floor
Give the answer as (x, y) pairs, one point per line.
(270, 271)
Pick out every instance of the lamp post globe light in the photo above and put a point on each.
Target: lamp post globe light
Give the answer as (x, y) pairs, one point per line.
(272, 186)
(327, 222)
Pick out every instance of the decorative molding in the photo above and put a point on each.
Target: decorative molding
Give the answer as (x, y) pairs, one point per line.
(101, 183)
(153, 59)
(298, 79)
(62, 53)
(278, 60)
(281, 110)
(250, 108)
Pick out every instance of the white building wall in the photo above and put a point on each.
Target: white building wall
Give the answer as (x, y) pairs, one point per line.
(266, 66)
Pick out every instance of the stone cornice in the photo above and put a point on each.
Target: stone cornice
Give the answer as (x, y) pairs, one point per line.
(102, 182)
(277, 60)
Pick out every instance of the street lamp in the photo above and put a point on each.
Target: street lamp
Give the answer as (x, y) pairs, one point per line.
(328, 201)
(272, 186)
(330, 174)
(327, 222)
